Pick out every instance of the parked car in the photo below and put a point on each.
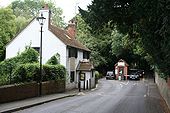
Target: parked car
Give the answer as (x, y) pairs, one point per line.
(134, 76)
(110, 75)
(141, 73)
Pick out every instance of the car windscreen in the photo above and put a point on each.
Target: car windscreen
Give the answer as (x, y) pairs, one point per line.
(109, 73)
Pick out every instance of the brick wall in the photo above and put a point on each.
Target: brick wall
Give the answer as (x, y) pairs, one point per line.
(164, 88)
(50, 87)
(10, 93)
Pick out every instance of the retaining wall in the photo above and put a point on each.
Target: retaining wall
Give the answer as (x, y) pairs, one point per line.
(164, 88)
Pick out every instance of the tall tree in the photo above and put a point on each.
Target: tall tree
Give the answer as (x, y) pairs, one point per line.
(30, 8)
(7, 29)
(107, 47)
(148, 22)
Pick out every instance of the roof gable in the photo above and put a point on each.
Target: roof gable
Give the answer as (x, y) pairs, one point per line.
(20, 31)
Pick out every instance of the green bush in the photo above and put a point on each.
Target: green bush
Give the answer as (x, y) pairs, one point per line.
(6, 69)
(31, 72)
(97, 75)
(8, 66)
(54, 60)
(25, 68)
(54, 72)
(28, 56)
(26, 73)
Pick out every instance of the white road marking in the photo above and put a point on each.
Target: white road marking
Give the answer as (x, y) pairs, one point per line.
(125, 83)
(144, 96)
(148, 91)
(121, 85)
(134, 84)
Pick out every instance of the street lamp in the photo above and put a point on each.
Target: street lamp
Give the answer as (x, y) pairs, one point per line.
(41, 20)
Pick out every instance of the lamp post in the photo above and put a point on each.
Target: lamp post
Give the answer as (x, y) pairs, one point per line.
(41, 20)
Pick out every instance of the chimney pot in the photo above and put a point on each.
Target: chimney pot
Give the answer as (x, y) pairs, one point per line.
(45, 7)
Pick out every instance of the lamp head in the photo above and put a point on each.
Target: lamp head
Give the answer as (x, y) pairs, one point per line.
(41, 19)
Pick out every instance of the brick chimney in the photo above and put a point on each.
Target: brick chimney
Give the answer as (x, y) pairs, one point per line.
(45, 7)
(71, 28)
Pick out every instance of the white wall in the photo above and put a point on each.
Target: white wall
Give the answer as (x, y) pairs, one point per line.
(30, 36)
(79, 58)
(88, 75)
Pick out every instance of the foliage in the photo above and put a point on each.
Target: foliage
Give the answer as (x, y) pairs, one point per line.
(29, 8)
(54, 60)
(146, 22)
(16, 16)
(26, 73)
(54, 72)
(28, 56)
(21, 22)
(8, 66)
(98, 75)
(108, 46)
(99, 45)
(7, 29)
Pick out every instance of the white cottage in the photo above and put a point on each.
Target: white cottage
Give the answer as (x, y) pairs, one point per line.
(56, 41)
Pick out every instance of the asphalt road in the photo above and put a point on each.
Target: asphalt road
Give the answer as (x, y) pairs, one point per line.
(111, 96)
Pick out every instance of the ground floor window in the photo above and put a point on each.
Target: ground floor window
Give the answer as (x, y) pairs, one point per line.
(72, 76)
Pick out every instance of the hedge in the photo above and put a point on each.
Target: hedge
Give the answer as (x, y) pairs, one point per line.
(8, 66)
(31, 72)
(26, 73)
(25, 68)
(54, 72)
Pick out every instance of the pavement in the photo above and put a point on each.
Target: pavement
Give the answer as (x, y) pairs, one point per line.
(30, 102)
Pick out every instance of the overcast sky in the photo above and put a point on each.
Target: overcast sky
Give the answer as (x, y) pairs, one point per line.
(70, 7)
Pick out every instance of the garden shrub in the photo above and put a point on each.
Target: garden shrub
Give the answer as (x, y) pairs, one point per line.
(54, 60)
(28, 56)
(25, 68)
(31, 72)
(26, 73)
(54, 72)
(8, 66)
(97, 75)
(6, 69)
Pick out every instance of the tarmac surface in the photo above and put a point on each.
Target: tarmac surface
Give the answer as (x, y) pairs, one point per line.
(111, 96)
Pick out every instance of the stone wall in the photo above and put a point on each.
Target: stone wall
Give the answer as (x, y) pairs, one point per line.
(164, 88)
(14, 92)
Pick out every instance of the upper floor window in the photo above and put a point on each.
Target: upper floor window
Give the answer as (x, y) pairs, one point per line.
(86, 55)
(73, 52)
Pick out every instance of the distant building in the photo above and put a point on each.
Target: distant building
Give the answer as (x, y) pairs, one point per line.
(121, 69)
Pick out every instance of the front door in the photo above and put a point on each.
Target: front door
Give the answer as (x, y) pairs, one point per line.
(121, 72)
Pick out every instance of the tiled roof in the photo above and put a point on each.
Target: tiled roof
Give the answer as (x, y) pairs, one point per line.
(64, 36)
(85, 66)
(121, 60)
